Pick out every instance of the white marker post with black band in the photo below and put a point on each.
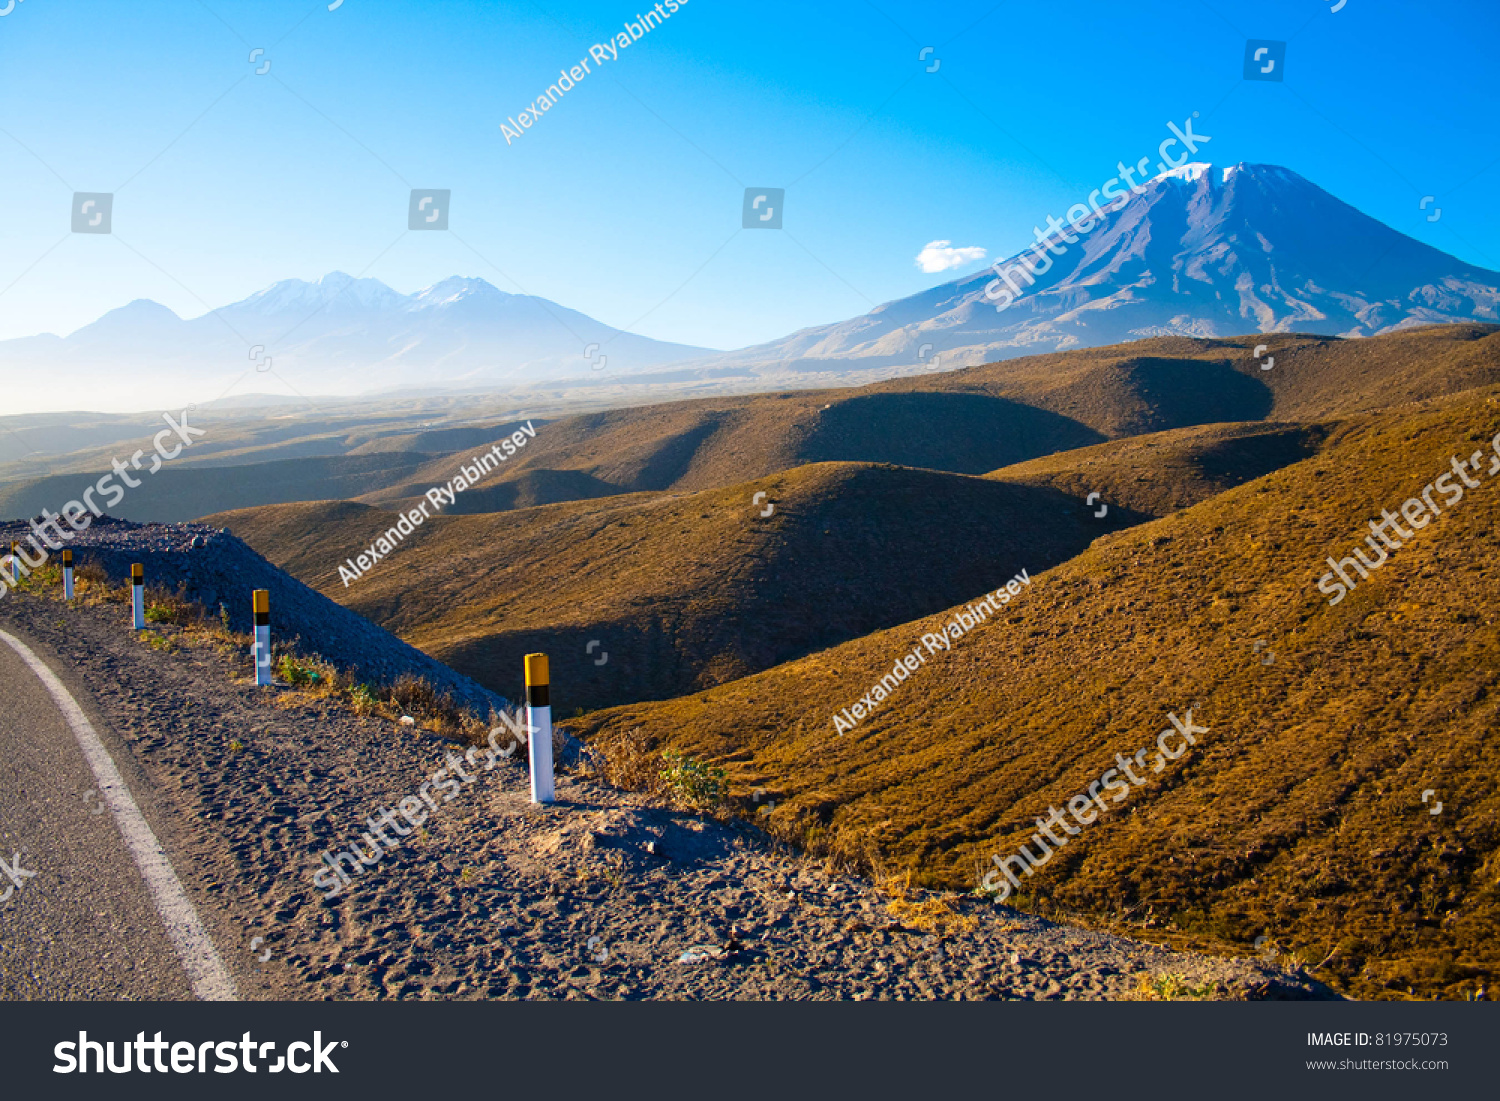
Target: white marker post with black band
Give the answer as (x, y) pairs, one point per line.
(67, 567)
(260, 600)
(539, 727)
(138, 596)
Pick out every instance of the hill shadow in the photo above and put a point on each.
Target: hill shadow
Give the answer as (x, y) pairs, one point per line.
(854, 548)
(533, 487)
(1181, 393)
(963, 433)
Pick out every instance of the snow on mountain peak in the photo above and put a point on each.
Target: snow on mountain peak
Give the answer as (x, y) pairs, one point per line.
(1188, 173)
(455, 288)
(334, 289)
(1194, 171)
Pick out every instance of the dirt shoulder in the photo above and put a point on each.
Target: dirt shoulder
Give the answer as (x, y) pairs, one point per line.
(599, 896)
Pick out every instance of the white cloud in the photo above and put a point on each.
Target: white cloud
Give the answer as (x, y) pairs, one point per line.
(937, 256)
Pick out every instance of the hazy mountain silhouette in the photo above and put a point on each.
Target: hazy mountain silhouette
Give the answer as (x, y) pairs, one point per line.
(340, 335)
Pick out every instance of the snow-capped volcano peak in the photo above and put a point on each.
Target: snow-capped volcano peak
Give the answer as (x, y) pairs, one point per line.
(1190, 172)
(1199, 250)
(334, 289)
(455, 289)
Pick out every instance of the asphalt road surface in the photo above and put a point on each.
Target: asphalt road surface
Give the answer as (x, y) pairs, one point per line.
(90, 908)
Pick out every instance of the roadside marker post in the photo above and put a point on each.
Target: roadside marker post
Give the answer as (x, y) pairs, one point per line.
(260, 600)
(539, 727)
(138, 596)
(67, 565)
(14, 563)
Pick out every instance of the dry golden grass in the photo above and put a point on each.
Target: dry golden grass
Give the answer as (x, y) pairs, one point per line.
(1153, 475)
(179, 623)
(1171, 987)
(680, 592)
(627, 760)
(1298, 818)
(978, 418)
(690, 591)
(164, 606)
(926, 911)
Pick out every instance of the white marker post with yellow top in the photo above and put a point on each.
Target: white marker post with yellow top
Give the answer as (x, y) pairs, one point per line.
(539, 727)
(138, 596)
(260, 601)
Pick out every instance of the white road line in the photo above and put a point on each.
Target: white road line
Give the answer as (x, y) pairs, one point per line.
(206, 971)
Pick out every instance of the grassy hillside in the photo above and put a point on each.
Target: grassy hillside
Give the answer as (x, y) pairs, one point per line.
(777, 587)
(1161, 472)
(979, 418)
(1298, 816)
(687, 446)
(681, 592)
(1149, 385)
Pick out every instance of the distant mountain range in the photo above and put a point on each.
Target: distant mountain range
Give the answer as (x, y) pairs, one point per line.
(1198, 251)
(340, 335)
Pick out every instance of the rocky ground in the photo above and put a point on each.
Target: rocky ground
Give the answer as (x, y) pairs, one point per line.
(217, 569)
(602, 895)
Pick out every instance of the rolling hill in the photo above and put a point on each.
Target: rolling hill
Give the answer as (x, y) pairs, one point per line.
(1300, 815)
(684, 592)
(690, 590)
(679, 591)
(977, 419)
(1162, 472)
(968, 421)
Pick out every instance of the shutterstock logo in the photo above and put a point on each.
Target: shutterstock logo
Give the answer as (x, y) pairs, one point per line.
(186, 1058)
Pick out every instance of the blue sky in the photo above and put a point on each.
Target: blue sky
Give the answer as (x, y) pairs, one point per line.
(624, 200)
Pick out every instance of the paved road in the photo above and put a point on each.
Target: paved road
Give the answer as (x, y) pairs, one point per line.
(91, 912)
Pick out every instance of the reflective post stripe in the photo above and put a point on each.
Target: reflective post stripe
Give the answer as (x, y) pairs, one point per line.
(260, 600)
(138, 596)
(539, 727)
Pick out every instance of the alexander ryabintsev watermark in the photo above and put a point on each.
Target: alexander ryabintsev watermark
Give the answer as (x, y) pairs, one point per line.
(961, 624)
(469, 474)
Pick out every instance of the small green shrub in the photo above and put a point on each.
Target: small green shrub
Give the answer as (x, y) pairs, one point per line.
(1171, 987)
(296, 673)
(694, 781)
(158, 642)
(364, 699)
(43, 578)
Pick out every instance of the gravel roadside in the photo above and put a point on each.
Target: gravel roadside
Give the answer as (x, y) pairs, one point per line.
(218, 570)
(602, 895)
